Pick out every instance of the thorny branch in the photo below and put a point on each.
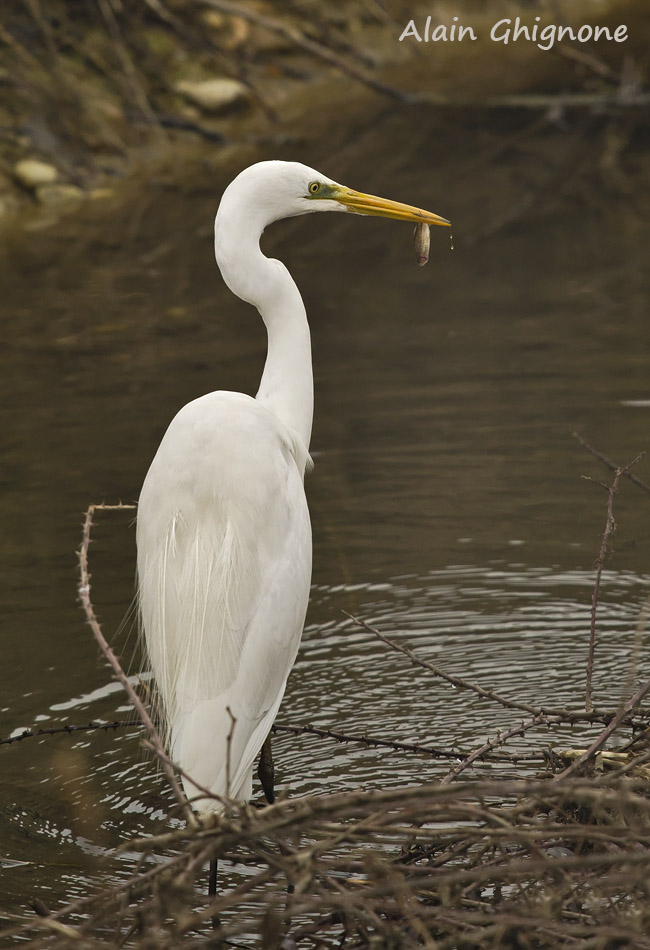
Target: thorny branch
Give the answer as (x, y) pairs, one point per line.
(368, 861)
(611, 465)
(278, 728)
(492, 744)
(568, 715)
(610, 527)
(91, 617)
(608, 730)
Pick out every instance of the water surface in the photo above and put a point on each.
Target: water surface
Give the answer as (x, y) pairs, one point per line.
(447, 500)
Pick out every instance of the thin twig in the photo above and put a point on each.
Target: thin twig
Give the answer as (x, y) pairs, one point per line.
(70, 728)
(204, 792)
(395, 745)
(607, 731)
(491, 744)
(610, 527)
(372, 742)
(91, 617)
(608, 462)
(569, 715)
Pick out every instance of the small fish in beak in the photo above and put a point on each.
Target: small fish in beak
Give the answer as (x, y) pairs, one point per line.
(422, 237)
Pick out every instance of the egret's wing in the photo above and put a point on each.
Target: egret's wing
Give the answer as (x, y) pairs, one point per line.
(224, 562)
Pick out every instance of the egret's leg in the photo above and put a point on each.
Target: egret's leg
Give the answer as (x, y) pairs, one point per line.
(266, 770)
(212, 887)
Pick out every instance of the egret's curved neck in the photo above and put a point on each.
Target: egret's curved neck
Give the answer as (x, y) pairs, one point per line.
(286, 387)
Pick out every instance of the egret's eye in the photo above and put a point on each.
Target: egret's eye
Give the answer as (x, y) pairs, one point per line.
(314, 187)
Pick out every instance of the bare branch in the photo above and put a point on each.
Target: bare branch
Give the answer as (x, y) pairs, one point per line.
(611, 465)
(610, 527)
(569, 715)
(91, 617)
(607, 731)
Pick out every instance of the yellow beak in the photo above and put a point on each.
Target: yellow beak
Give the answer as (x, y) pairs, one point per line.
(383, 207)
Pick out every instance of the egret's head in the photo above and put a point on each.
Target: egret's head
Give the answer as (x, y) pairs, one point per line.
(273, 190)
(325, 195)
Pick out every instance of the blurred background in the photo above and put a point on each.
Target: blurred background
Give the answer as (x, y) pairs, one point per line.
(447, 498)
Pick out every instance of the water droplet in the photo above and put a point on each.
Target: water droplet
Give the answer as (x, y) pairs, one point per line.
(451, 241)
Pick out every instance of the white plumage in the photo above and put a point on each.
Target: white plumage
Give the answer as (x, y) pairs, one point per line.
(223, 533)
(224, 586)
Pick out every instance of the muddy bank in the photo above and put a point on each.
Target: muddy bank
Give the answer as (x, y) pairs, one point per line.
(94, 95)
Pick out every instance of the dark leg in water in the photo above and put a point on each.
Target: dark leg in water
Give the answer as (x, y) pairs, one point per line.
(212, 887)
(266, 771)
(266, 774)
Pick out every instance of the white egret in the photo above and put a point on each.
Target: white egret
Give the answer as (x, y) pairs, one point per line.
(223, 531)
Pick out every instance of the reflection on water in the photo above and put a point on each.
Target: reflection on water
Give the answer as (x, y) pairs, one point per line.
(447, 502)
